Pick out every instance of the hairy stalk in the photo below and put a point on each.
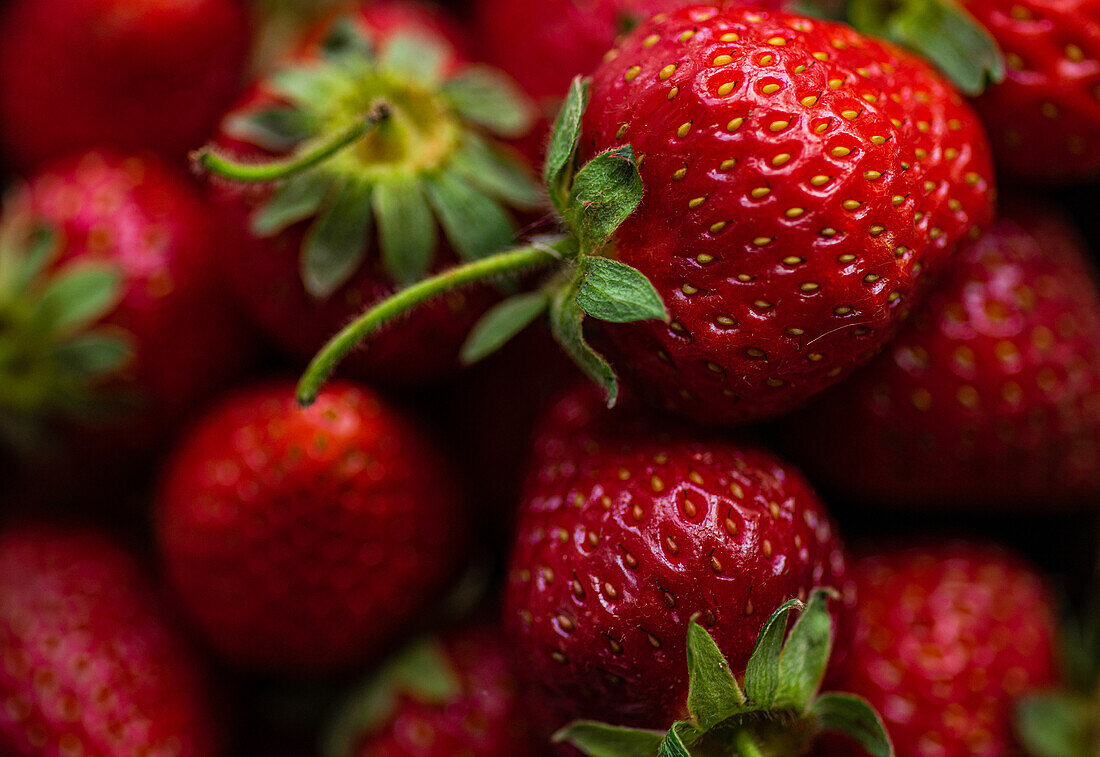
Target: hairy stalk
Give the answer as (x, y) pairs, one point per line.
(746, 745)
(340, 345)
(210, 161)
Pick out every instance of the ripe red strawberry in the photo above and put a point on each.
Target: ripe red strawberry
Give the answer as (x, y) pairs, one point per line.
(1044, 118)
(76, 74)
(800, 180)
(422, 189)
(773, 188)
(991, 396)
(123, 307)
(307, 540)
(543, 45)
(627, 531)
(946, 638)
(440, 698)
(90, 663)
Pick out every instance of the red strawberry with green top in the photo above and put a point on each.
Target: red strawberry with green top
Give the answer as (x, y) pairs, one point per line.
(628, 530)
(947, 638)
(309, 540)
(76, 74)
(92, 666)
(386, 167)
(455, 695)
(800, 180)
(991, 396)
(752, 198)
(1044, 118)
(110, 309)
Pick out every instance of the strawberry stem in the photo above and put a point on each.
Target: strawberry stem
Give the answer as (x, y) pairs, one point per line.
(746, 745)
(209, 160)
(325, 362)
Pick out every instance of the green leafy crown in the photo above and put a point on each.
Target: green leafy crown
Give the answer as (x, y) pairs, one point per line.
(1066, 722)
(592, 200)
(55, 354)
(775, 711)
(379, 137)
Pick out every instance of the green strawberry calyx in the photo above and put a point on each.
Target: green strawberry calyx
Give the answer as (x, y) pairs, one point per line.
(583, 278)
(1066, 722)
(421, 672)
(941, 31)
(380, 136)
(775, 711)
(56, 355)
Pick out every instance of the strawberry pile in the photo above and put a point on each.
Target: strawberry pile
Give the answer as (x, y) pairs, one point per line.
(544, 378)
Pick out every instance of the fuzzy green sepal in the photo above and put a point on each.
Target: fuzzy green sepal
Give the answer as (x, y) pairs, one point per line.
(55, 355)
(383, 143)
(774, 712)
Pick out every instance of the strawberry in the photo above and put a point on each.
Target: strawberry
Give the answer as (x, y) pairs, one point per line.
(112, 305)
(800, 182)
(947, 637)
(306, 540)
(543, 45)
(421, 185)
(438, 698)
(76, 74)
(91, 663)
(991, 396)
(800, 179)
(629, 529)
(1044, 118)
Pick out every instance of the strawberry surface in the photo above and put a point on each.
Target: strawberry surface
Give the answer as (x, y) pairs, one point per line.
(991, 396)
(801, 182)
(1044, 118)
(307, 540)
(946, 638)
(76, 74)
(627, 530)
(480, 715)
(91, 663)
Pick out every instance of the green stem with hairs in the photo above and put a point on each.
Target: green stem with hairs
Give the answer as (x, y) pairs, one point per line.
(746, 745)
(325, 362)
(210, 161)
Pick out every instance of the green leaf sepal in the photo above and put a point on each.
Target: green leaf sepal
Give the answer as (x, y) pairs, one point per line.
(775, 711)
(941, 31)
(381, 146)
(593, 200)
(1066, 722)
(57, 356)
(421, 671)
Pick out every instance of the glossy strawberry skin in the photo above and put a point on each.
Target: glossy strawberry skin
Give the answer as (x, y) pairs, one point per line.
(626, 531)
(76, 74)
(991, 397)
(946, 638)
(92, 664)
(307, 540)
(1044, 118)
(801, 183)
(265, 272)
(483, 720)
(543, 45)
(137, 214)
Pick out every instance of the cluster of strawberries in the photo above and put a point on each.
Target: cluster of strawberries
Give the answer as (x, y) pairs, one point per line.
(750, 231)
